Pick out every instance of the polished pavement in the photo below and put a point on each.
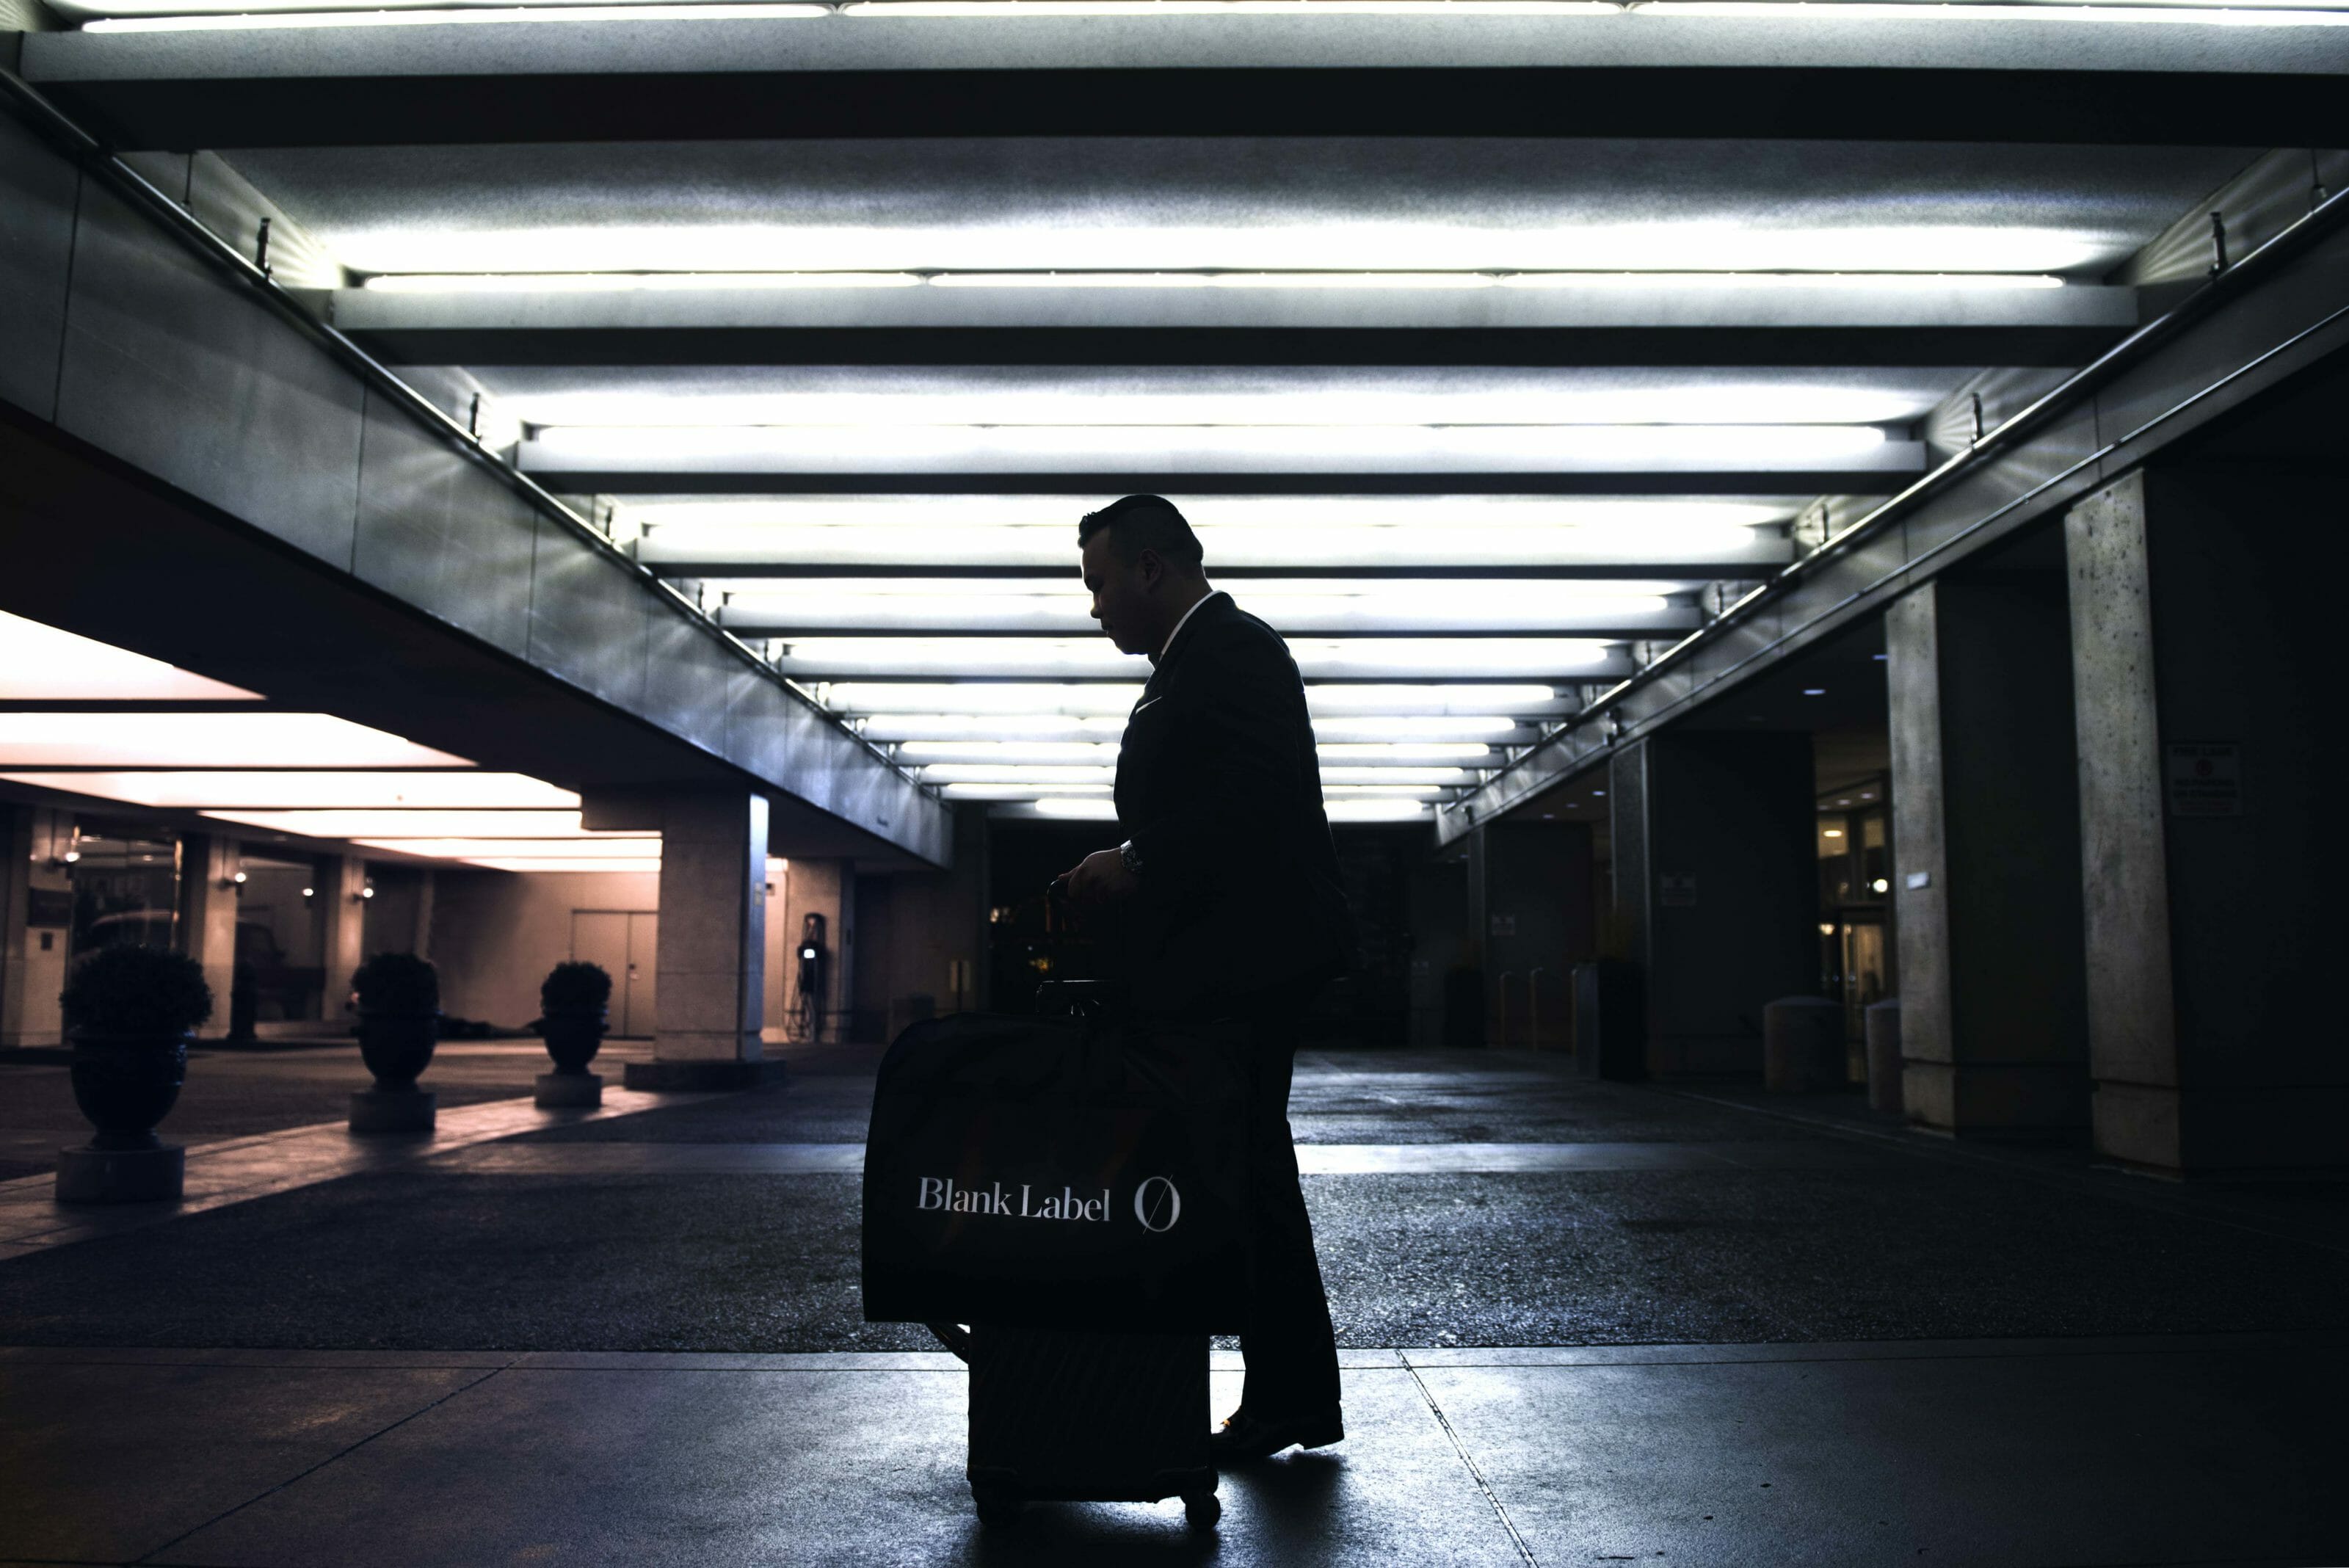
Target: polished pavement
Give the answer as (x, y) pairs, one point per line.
(1641, 1325)
(2225, 1449)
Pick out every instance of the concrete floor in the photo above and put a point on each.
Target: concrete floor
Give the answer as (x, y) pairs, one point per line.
(1633, 1325)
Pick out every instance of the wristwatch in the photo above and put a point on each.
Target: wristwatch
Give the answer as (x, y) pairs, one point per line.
(1130, 856)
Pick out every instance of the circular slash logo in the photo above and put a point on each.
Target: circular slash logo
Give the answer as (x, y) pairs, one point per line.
(1157, 1204)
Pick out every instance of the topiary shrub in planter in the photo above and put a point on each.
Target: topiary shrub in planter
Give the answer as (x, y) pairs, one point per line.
(128, 1013)
(574, 1002)
(399, 1017)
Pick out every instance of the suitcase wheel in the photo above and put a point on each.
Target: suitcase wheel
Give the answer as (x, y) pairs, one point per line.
(998, 1509)
(1203, 1509)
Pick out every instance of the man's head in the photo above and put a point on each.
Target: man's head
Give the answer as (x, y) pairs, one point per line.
(1142, 564)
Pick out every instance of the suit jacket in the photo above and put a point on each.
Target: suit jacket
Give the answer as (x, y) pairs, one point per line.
(1219, 789)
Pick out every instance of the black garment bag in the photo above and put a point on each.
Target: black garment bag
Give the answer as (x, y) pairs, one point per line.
(1069, 1172)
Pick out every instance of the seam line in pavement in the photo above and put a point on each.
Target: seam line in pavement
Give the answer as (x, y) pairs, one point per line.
(1524, 1552)
(263, 1496)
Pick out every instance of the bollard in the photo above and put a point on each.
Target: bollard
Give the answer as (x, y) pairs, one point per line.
(1802, 1045)
(1884, 1056)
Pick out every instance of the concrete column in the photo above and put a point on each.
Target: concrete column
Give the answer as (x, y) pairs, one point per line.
(826, 887)
(2203, 673)
(342, 934)
(711, 961)
(1993, 1027)
(938, 929)
(208, 895)
(1716, 889)
(35, 921)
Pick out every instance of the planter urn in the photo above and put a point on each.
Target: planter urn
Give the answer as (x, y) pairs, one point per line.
(396, 1047)
(573, 1038)
(125, 1083)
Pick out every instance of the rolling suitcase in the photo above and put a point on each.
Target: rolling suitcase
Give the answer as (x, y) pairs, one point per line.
(1082, 1414)
(1086, 1415)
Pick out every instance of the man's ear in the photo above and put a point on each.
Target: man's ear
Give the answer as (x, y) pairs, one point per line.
(1152, 567)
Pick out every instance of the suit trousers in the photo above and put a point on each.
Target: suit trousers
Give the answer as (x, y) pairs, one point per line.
(1289, 1345)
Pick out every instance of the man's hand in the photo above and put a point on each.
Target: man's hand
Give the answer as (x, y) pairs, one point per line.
(1101, 878)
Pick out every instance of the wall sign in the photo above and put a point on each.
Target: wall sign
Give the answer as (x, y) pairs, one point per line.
(1679, 892)
(2206, 778)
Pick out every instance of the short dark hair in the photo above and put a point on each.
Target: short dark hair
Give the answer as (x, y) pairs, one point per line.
(1144, 523)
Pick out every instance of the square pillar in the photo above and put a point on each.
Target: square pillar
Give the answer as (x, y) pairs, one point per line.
(2203, 682)
(342, 935)
(35, 923)
(208, 898)
(1994, 1006)
(710, 963)
(1716, 889)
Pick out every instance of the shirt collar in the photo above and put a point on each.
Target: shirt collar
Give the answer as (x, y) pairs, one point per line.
(1186, 621)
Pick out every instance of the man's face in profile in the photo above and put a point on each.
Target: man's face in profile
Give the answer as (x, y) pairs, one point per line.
(1125, 600)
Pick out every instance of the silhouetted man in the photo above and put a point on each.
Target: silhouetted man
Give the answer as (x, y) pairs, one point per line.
(1226, 896)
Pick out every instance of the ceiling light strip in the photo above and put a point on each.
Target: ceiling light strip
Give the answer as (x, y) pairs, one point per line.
(540, 283)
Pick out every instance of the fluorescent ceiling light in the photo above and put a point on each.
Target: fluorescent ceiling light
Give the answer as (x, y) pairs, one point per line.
(980, 698)
(494, 863)
(2256, 16)
(261, 18)
(1045, 775)
(983, 699)
(425, 824)
(891, 727)
(1403, 750)
(40, 663)
(1836, 282)
(1788, 399)
(1039, 533)
(1081, 808)
(572, 849)
(1103, 753)
(1381, 791)
(1096, 752)
(1397, 659)
(1378, 810)
(1418, 775)
(1012, 791)
(1435, 607)
(205, 739)
(838, 447)
(192, 791)
(1037, 775)
(1423, 700)
(630, 281)
(1003, 9)
(1241, 280)
(1086, 243)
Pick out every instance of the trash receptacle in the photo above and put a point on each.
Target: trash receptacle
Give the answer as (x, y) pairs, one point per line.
(1802, 1045)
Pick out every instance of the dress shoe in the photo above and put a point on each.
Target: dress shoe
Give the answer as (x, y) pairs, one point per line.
(1243, 1438)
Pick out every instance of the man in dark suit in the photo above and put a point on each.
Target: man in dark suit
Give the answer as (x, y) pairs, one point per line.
(1226, 901)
